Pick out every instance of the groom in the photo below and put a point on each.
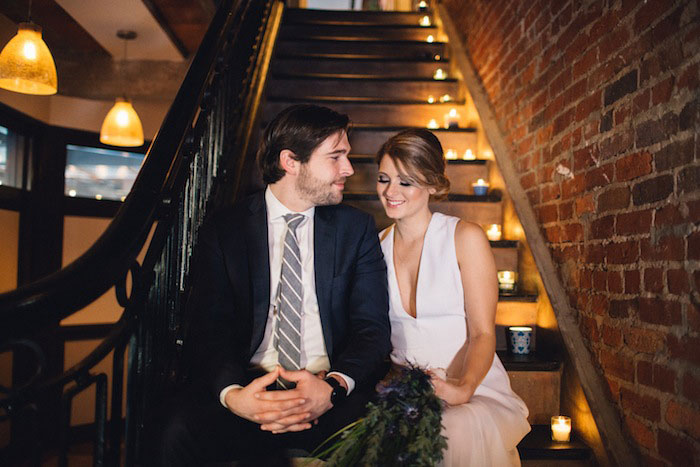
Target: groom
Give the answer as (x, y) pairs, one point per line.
(291, 294)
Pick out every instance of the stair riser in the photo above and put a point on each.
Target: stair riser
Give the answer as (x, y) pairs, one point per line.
(461, 177)
(369, 142)
(383, 114)
(540, 390)
(293, 15)
(480, 213)
(360, 88)
(294, 31)
(412, 50)
(399, 69)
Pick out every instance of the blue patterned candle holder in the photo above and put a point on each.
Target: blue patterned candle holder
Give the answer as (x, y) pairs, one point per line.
(519, 338)
(480, 187)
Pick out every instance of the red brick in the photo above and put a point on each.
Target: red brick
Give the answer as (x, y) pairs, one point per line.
(657, 311)
(621, 114)
(600, 176)
(677, 281)
(553, 234)
(599, 304)
(615, 282)
(642, 434)
(616, 38)
(588, 106)
(649, 12)
(614, 198)
(661, 93)
(620, 142)
(572, 232)
(694, 245)
(668, 215)
(550, 192)
(611, 336)
(615, 364)
(632, 281)
(600, 281)
(674, 448)
(572, 187)
(647, 407)
(547, 213)
(640, 103)
(614, 386)
(589, 328)
(654, 280)
(691, 387)
(689, 78)
(633, 166)
(527, 180)
(644, 340)
(623, 252)
(594, 253)
(585, 157)
(630, 223)
(667, 248)
(684, 418)
(566, 210)
(603, 227)
(686, 348)
(657, 376)
(622, 308)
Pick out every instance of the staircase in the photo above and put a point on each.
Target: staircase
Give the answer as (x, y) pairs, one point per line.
(380, 69)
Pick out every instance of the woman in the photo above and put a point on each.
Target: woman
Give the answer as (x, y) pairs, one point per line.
(443, 294)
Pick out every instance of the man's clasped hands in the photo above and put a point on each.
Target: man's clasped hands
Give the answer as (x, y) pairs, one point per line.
(287, 410)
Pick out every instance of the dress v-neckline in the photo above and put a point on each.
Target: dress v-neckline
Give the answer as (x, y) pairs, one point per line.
(418, 273)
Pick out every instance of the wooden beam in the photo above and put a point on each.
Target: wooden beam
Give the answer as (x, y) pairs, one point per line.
(604, 412)
(165, 25)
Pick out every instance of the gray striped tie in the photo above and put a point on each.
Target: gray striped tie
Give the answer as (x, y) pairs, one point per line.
(290, 301)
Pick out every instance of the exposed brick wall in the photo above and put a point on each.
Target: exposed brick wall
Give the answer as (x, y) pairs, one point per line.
(599, 102)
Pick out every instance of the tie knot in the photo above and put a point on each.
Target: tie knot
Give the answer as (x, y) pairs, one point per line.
(293, 221)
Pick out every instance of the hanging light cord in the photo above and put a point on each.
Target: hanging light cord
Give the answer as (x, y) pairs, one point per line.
(29, 13)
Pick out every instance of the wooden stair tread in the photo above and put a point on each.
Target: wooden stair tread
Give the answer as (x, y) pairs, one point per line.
(538, 444)
(455, 198)
(353, 39)
(369, 127)
(360, 101)
(355, 77)
(531, 362)
(373, 57)
(369, 158)
(518, 297)
(350, 25)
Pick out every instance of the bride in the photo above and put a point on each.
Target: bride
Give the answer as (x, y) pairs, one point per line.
(443, 295)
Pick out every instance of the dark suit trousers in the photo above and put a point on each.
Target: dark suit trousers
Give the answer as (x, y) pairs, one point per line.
(194, 428)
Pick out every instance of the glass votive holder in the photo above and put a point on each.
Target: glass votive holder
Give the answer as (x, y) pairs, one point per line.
(451, 154)
(468, 155)
(561, 429)
(493, 233)
(480, 187)
(452, 119)
(439, 74)
(519, 338)
(422, 5)
(425, 21)
(433, 124)
(507, 282)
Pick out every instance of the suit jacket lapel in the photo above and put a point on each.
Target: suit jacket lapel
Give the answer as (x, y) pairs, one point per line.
(324, 265)
(258, 266)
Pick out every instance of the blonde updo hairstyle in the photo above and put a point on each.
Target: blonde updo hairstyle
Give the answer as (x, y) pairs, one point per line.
(420, 153)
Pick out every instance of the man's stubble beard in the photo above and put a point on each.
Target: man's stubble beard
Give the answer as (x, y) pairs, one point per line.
(316, 191)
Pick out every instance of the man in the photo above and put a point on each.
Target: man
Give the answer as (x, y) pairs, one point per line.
(291, 293)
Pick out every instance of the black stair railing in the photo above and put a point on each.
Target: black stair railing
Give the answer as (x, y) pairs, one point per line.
(193, 166)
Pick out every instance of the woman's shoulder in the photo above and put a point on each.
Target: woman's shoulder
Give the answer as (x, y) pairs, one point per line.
(385, 233)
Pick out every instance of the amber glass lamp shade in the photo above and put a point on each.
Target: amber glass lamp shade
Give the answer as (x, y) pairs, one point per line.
(26, 65)
(122, 126)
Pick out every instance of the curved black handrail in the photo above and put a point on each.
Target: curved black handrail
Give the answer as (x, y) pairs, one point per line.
(54, 297)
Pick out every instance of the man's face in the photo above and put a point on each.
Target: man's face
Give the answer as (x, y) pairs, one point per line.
(322, 179)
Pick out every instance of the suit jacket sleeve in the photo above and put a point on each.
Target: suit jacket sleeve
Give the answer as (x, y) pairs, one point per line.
(366, 346)
(219, 352)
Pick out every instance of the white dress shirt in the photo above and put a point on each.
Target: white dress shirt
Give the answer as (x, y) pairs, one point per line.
(314, 356)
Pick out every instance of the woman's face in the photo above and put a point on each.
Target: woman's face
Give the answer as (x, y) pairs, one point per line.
(401, 195)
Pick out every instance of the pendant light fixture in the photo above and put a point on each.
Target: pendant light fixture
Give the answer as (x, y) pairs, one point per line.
(26, 64)
(122, 126)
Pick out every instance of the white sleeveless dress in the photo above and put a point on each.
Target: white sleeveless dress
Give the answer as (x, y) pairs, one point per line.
(486, 430)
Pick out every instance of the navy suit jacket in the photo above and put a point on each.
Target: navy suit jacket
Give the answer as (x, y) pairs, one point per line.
(232, 291)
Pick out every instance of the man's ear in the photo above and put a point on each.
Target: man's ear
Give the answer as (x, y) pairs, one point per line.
(288, 162)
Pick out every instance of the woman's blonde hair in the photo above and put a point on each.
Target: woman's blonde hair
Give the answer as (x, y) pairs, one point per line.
(420, 153)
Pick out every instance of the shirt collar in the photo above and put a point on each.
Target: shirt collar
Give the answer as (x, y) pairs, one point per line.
(275, 208)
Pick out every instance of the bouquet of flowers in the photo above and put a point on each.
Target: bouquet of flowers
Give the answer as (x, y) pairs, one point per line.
(401, 428)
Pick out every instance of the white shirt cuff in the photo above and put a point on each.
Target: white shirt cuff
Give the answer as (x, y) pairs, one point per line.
(222, 394)
(348, 380)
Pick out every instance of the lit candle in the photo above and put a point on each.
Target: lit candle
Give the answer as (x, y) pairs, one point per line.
(468, 155)
(494, 232)
(422, 5)
(430, 39)
(425, 21)
(519, 338)
(506, 281)
(445, 98)
(431, 99)
(451, 154)
(439, 74)
(98, 196)
(437, 57)
(433, 124)
(480, 187)
(561, 429)
(452, 119)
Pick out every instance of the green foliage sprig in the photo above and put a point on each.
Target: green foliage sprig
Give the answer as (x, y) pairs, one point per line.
(402, 427)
